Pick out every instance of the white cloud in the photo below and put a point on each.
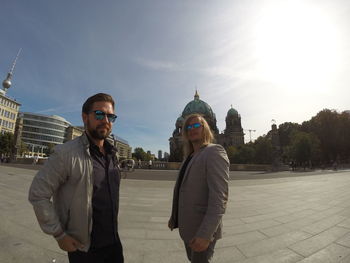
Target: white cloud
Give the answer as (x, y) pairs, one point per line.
(158, 64)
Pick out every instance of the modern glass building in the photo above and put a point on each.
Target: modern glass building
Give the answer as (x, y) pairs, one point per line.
(41, 132)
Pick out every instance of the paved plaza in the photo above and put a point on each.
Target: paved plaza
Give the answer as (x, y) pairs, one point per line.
(280, 217)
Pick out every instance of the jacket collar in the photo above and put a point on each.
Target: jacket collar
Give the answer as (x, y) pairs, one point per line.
(194, 157)
(85, 140)
(86, 143)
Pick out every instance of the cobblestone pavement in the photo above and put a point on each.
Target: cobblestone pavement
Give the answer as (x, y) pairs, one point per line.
(281, 218)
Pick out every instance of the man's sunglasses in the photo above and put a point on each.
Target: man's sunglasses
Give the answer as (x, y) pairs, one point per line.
(100, 115)
(194, 125)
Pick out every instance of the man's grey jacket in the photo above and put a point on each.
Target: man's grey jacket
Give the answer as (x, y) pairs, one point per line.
(201, 202)
(67, 178)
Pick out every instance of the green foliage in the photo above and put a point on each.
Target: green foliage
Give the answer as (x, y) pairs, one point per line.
(304, 147)
(7, 143)
(285, 131)
(23, 148)
(246, 154)
(263, 150)
(242, 154)
(49, 149)
(140, 154)
(325, 137)
(332, 130)
(231, 153)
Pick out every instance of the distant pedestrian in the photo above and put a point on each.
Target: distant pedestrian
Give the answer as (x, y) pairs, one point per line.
(130, 164)
(35, 159)
(139, 163)
(291, 164)
(150, 164)
(335, 166)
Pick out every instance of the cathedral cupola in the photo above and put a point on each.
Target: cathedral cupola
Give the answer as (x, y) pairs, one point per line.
(233, 121)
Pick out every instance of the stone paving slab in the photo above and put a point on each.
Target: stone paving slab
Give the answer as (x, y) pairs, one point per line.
(270, 218)
(277, 256)
(317, 242)
(269, 245)
(332, 253)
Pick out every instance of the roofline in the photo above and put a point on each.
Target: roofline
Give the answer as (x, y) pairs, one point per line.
(11, 99)
(56, 117)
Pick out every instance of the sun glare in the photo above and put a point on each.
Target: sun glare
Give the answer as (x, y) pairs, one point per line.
(297, 45)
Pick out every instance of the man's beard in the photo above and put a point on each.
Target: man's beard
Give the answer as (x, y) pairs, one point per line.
(98, 134)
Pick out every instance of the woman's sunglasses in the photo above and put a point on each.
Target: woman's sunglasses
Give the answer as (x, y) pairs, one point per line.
(100, 115)
(194, 125)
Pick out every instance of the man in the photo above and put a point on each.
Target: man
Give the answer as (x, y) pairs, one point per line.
(35, 159)
(201, 191)
(139, 163)
(82, 177)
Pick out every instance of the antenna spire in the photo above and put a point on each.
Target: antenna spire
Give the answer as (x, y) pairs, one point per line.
(196, 95)
(7, 82)
(15, 61)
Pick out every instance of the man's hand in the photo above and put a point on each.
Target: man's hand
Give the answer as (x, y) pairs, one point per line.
(69, 244)
(198, 244)
(171, 224)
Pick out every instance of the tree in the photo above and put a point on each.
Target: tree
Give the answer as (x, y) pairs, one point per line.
(140, 154)
(263, 150)
(344, 136)
(49, 149)
(246, 154)
(326, 126)
(305, 147)
(285, 131)
(7, 142)
(232, 153)
(23, 148)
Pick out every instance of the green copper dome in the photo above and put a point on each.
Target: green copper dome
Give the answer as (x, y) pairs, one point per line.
(198, 106)
(180, 121)
(232, 112)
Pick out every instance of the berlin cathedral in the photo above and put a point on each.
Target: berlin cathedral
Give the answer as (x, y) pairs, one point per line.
(232, 136)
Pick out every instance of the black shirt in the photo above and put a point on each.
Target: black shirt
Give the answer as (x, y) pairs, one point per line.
(105, 198)
(181, 177)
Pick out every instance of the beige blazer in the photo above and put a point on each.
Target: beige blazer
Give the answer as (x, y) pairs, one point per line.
(201, 203)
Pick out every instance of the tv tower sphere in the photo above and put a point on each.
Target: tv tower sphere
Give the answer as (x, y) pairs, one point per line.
(7, 82)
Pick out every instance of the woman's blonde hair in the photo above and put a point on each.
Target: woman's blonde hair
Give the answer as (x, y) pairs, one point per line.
(207, 134)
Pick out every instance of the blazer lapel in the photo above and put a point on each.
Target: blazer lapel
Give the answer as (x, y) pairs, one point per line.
(194, 157)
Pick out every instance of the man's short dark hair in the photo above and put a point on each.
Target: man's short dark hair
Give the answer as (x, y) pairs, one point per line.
(95, 98)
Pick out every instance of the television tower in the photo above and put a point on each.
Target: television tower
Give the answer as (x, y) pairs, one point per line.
(6, 84)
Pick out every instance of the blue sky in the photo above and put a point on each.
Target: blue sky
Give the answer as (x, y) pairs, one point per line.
(282, 60)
